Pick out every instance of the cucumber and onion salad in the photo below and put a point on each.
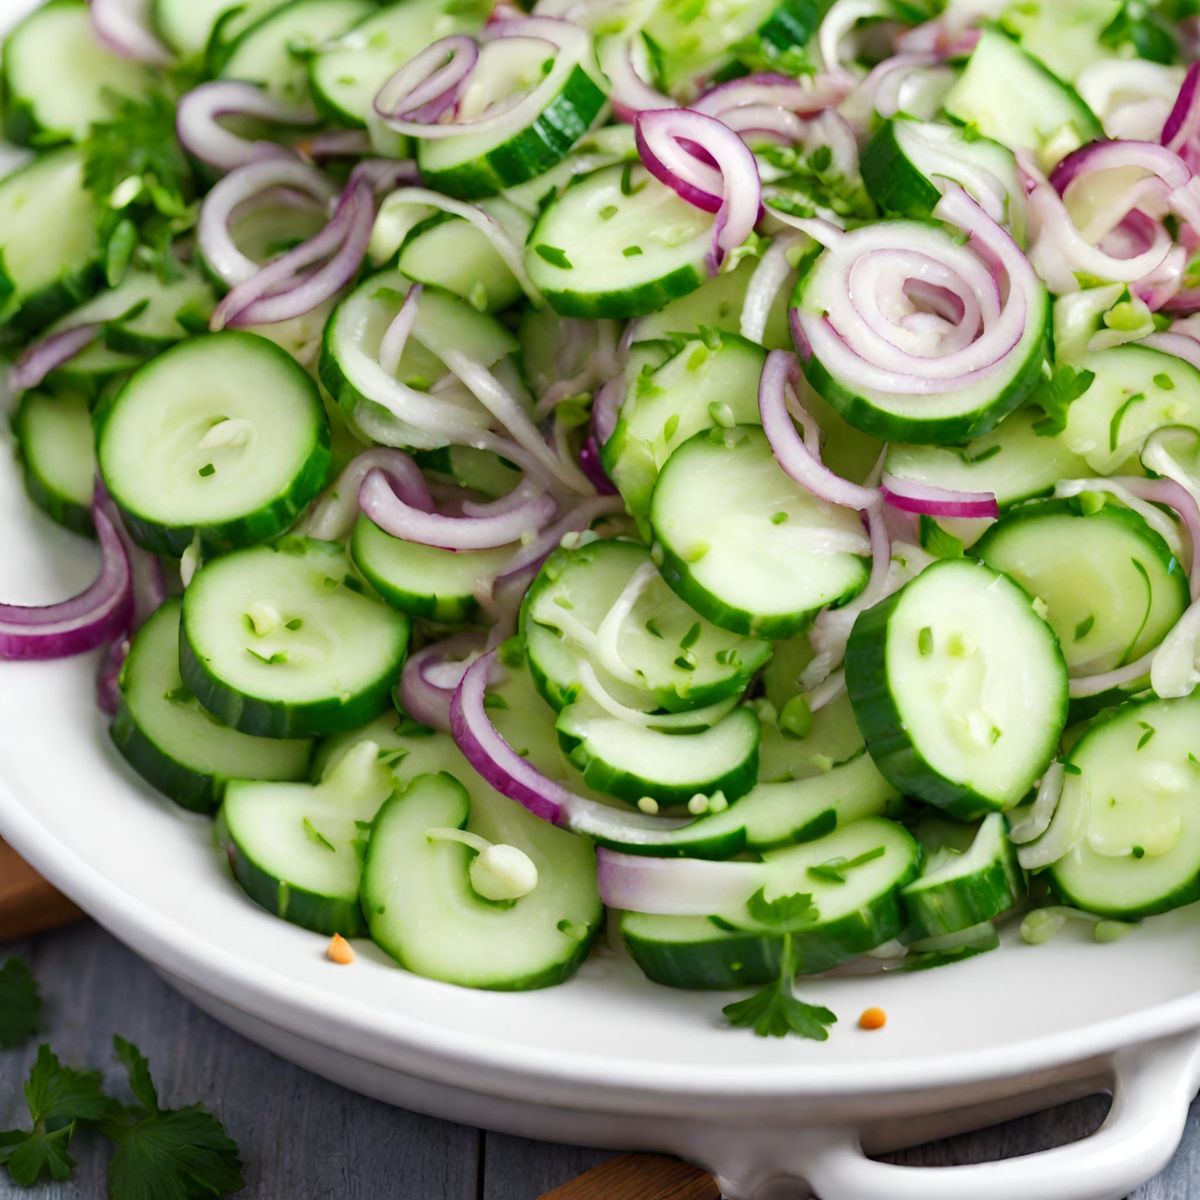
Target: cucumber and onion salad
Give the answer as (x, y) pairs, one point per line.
(712, 466)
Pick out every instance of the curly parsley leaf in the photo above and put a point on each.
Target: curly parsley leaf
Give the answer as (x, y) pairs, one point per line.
(784, 914)
(166, 1154)
(20, 1003)
(137, 170)
(57, 1097)
(1055, 395)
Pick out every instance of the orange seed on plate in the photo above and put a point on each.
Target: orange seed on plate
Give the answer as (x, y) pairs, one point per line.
(872, 1018)
(340, 951)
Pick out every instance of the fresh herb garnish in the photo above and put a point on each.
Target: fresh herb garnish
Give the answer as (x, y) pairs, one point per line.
(775, 1011)
(1055, 395)
(20, 1003)
(834, 871)
(315, 836)
(1114, 426)
(554, 255)
(936, 541)
(1084, 627)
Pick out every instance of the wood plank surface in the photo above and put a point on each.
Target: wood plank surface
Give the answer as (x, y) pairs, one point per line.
(306, 1139)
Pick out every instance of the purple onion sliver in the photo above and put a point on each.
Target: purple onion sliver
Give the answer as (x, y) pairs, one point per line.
(334, 514)
(425, 699)
(430, 83)
(201, 134)
(911, 496)
(593, 466)
(680, 887)
(41, 358)
(124, 27)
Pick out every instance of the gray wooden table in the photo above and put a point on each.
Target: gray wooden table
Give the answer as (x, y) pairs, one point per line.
(305, 1139)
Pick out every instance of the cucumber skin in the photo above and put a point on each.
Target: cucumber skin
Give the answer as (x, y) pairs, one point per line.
(937, 911)
(793, 23)
(941, 431)
(604, 777)
(723, 964)
(75, 517)
(321, 914)
(878, 715)
(275, 718)
(189, 789)
(889, 175)
(536, 149)
(626, 303)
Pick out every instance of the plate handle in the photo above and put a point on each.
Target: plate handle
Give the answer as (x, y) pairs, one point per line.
(1153, 1086)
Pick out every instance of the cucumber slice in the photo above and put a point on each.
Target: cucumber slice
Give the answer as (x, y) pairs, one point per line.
(349, 366)
(681, 662)
(1010, 96)
(776, 814)
(928, 953)
(1135, 391)
(633, 763)
(744, 544)
(175, 745)
(957, 890)
(959, 688)
(1069, 35)
(54, 437)
(274, 51)
(450, 253)
(832, 738)
(423, 910)
(903, 162)
(186, 26)
(1013, 462)
(471, 165)
(1133, 782)
(477, 470)
(406, 748)
(707, 383)
(59, 78)
(698, 954)
(345, 74)
(617, 243)
(49, 248)
(1111, 586)
(423, 581)
(222, 437)
(942, 418)
(278, 640)
(297, 848)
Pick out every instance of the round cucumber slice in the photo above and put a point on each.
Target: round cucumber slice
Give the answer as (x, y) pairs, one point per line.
(422, 909)
(1134, 783)
(1111, 586)
(223, 437)
(677, 660)
(176, 745)
(617, 243)
(54, 436)
(278, 640)
(297, 848)
(698, 954)
(633, 763)
(471, 165)
(423, 581)
(744, 544)
(959, 688)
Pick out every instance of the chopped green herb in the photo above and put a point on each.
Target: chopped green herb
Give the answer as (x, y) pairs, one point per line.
(670, 427)
(1055, 395)
(555, 256)
(294, 624)
(627, 184)
(936, 541)
(1114, 427)
(1164, 382)
(778, 518)
(925, 641)
(686, 661)
(1138, 851)
(1072, 769)
(206, 470)
(974, 459)
(690, 638)
(607, 212)
(315, 836)
(834, 870)
(1148, 732)
(495, 701)
(631, 251)
(796, 718)
(277, 659)
(652, 627)
(1084, 627)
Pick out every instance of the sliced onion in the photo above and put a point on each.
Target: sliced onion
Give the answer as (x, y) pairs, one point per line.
(426, 687)
(732, 188)
(1173, 670)
(124, 26)
(914, 497)
(41, 358)
(770, 275)
(243, 185)
(97, 615)
(520, 515)
(147, 583)
(333, 143)
(592, 464)
(799, 457)
(1037, 820)
(1178, 344)
(203, 136)
(430, 83)
(1181, 130)
(809, 95)
(1067, 829)
(332, 517)
(678, 887)
(624, 61)
(838, 24)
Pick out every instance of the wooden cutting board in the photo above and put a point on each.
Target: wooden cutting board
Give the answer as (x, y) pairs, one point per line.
(28, 904)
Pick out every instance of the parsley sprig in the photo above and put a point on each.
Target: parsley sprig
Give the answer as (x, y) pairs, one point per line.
(1055, 395)
(20, 1003)
(775, 1011)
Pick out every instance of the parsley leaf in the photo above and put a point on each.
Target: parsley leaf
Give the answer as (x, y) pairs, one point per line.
(1055, 395)
(775, 1011)
(166, 1154)
(137, 170)
(20, 1003)
(56, 1097)
(937, 541)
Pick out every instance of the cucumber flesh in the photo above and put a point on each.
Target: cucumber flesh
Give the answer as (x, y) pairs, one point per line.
(54, 436)
(176, 745)
(422, 909)
(297, 848)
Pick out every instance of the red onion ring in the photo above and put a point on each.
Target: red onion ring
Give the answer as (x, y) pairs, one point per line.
(430, 83)
(680, 887)
(41, 358)
(524, 511)
(1181, 131)
(624, 61)
(799, 457)
(333, 516)
(97, 615)
(333, 143)
(732, 188)
(203, 137)
(425, 697)
(124, 28)
(911, 496)
(1178, 344)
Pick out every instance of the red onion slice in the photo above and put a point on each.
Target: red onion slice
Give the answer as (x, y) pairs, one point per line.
(732, 188)
(124, 26)
(807, 96)
(97, 615)
(41, 358)
(425, 690)
(520, 514)
(911, 496)
(430, 83)
(1181, 131)
(333, 516)
(678, 887)
(205, 138)
(625, 61)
